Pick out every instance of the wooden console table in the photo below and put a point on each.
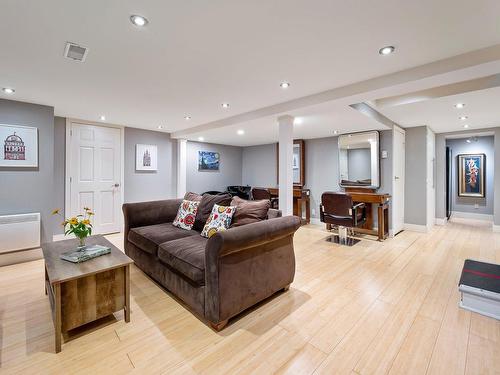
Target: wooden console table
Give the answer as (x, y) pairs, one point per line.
(80, 293)
(301, 198)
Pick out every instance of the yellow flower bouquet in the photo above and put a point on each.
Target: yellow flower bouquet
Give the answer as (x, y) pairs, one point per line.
(78, 225)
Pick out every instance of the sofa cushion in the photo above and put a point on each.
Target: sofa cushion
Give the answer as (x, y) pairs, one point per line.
(249, 211)
(205, 208)
(149, 237)
(187, 256)
(186, 215)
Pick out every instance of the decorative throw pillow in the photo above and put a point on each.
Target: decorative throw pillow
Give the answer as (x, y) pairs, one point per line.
(249, 211)
(205, 208)
(186, 215)
(219, 219)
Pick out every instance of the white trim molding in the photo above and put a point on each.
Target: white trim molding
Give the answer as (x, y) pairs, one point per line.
(471, 215)
(416, 228)
(441, 220)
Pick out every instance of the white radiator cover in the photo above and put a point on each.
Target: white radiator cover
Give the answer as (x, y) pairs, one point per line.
(18, 232)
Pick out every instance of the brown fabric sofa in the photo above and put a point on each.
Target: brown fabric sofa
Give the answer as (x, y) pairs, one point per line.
(216, 278)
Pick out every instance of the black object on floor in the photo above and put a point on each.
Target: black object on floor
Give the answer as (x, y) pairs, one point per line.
(350, 241)
(480, 275)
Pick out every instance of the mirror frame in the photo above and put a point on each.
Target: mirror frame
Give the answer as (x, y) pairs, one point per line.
(302, 145)
(370, 187)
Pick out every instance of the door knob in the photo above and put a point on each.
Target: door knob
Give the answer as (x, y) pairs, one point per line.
(396, 177)
(116, 185)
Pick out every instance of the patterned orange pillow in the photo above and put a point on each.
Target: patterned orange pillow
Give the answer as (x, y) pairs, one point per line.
(186, 215)
(219, 219)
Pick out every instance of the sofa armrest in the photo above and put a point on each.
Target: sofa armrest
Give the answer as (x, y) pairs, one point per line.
(250, 235)
(149, 213)
(244, 265)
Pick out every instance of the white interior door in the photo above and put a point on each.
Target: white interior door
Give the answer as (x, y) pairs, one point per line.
(431, 188)
(95, 175)
(398, 187)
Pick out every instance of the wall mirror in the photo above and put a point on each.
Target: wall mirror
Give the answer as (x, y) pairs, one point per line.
(359, 164)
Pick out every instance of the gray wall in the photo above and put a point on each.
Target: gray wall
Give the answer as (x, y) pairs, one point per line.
(150, 185)
(484, 145)
(416, 176)
(229, 173)
(440, 176)
(496, 205)
(259, 165)
(322, 169)
(59, 170)
(359, 164)
(27, 190)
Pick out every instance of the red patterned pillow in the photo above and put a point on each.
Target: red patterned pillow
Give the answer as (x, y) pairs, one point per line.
(186, 215)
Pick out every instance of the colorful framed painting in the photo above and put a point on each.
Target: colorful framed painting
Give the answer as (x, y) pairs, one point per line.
(208, 161)
(19, 146)
(146, 157)
(471, 175)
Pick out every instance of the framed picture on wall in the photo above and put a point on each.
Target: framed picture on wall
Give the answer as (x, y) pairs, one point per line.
(19, 146)
(208, 161)
(471, 175)
(146, 157)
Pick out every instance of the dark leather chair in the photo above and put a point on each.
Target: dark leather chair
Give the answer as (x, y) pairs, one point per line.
(338, 209)
(240, 191)
(262, 193)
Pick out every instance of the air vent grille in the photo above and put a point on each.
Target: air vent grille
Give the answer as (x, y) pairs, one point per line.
(75, 52)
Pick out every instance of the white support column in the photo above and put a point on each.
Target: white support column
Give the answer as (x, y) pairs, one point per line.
(285, 124)
(181, 167)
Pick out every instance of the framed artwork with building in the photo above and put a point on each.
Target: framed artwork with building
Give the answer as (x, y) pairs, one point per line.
(19, 146)
(471, 169)
(146, 157)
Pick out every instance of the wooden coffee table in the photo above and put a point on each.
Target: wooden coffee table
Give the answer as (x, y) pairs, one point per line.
(80, 293)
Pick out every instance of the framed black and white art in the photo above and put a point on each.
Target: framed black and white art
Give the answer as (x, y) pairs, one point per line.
(19, 146)
(146, 157)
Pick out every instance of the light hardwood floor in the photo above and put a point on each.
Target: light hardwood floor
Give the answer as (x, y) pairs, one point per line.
(375, 308)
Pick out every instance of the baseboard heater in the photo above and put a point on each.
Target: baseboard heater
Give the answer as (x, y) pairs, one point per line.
(19, 232)
(480, 288)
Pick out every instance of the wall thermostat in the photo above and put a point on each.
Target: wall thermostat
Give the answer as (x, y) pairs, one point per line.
(384, 154)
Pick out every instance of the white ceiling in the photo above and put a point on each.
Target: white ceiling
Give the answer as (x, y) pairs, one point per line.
(481, 107)
(312, 122)
(195, 55)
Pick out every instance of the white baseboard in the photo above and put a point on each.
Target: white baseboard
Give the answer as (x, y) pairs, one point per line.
(20, 256)
(471, 215)
(496, 228)
(416, 228)
(441, 221)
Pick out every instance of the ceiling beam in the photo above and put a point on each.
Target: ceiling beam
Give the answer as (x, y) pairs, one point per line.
(440, 91)
(463, 61)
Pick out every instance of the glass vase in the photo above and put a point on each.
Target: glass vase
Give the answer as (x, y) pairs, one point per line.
(81, 243)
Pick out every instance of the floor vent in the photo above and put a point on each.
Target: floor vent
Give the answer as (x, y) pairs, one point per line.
(18, 232)
(75, 52)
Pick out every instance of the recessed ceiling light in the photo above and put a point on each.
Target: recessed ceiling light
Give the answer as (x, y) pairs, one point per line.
(285, 85)
(387, 50)
(335, 132)
(160, 126)
(187, 118)
(225, 105)
(298, 121)
(201, 139)
(138, 20)
(468, 140)
(466, 126)
(102, 118)
(240, 132)
(459, 105)
(8, 90)
(463, 118)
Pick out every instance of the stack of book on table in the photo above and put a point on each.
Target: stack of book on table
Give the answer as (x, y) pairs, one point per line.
(92, 251)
